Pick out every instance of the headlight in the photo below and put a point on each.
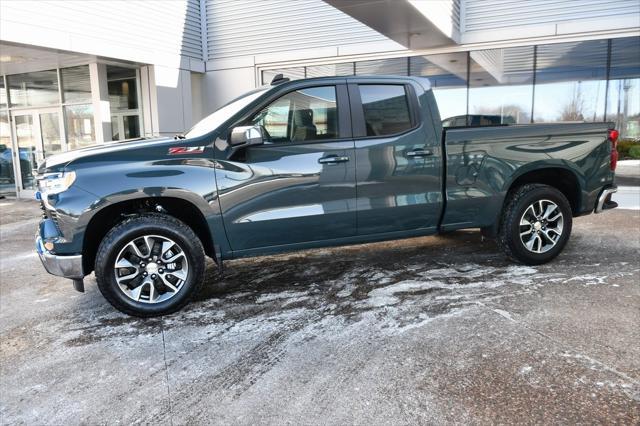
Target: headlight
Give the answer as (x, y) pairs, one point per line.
(55, 183)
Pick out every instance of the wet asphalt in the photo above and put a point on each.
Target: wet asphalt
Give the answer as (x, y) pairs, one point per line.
(433, 330)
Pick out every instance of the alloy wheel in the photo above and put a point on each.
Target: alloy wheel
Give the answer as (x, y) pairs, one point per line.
(541, 226)
(151, 269)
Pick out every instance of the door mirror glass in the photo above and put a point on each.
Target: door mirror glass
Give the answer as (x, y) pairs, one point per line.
(246, 136)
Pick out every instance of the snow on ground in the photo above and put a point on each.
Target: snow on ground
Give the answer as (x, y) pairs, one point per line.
(627, 197)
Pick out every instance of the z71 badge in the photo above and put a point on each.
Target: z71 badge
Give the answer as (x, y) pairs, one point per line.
(177, 150)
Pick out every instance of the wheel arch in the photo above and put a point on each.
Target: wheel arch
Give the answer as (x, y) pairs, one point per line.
(562, 178)
(107, 217)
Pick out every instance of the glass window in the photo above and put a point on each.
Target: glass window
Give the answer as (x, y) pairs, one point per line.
(303, 115)
(386, 109)
(119, 73)
(123, 100)
(33, 89)
(76, 84)
(571, 81)
(3, 94)
(131, 126)
(394, 66)
(50, 132)
(500, 86)
(295, 73)
(80, 127)
(7, 179)
(623, 102)
(123, 94)
(26, 137)
(330, 70)
(448, 76)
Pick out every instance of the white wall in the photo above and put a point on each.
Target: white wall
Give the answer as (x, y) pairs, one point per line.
(147, 31)
(219, 87)
(266, 29)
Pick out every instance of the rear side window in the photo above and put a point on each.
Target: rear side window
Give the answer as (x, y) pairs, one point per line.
(386, 109)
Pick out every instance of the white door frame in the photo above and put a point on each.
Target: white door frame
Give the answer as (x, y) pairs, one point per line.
(39, 142)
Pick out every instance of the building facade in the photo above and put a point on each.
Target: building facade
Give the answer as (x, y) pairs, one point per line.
(75, 73)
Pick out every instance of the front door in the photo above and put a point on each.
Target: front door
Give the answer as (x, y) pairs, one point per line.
(398, 158)
(299, 186)
(38, 134)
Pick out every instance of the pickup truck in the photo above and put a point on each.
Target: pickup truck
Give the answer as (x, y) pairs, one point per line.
(311, 163)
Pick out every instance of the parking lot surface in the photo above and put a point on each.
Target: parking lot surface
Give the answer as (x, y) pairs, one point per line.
(428, 330)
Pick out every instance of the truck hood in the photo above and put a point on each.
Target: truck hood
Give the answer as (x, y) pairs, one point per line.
(59, 161)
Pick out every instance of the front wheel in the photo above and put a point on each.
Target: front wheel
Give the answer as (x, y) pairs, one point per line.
(535, 225)
(150, 265)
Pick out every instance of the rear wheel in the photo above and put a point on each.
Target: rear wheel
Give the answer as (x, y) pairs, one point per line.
(150, 265)
(536, 224)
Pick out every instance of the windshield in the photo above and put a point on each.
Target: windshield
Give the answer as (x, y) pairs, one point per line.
(214, 120)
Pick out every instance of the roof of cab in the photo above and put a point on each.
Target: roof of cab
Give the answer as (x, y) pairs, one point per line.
(422, 81)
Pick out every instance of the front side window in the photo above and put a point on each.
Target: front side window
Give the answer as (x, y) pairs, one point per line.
(304, 115)
(386, 109)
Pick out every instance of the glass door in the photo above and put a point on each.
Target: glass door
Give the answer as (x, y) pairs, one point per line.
(38, 134)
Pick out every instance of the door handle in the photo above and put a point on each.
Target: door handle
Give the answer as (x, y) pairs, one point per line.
(333, 159)
(419, 153)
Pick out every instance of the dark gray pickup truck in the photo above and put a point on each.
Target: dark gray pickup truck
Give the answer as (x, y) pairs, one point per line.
(311, 163)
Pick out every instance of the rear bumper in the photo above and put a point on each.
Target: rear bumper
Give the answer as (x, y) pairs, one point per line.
(67, 266)
(604, 200)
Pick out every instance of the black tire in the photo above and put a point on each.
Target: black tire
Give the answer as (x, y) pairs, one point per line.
(517, 202)
(138, 226)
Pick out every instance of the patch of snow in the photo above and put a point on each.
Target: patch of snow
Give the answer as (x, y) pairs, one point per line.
(346, 290)
(504, 314)
(526, 370)
(588, 279)
(279, 296)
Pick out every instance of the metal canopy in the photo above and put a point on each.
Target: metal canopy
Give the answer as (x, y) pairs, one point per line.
(398, 20)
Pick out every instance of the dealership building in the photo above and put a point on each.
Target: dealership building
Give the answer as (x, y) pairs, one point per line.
(76, 73)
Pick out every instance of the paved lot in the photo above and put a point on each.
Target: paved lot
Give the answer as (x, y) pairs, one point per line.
(429, 330)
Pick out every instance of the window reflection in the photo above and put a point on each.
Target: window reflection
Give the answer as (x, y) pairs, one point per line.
(448, 76)
(7, 179)
(123, 101)
(571, 81)
(76, 85)
(623, 102)
(330, 70)
(394, 66)
(294, 73)
(33, 89)
(80, 128)
(3, 94)
(501, 86)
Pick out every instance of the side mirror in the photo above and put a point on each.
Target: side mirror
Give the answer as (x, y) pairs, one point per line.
(246, 136)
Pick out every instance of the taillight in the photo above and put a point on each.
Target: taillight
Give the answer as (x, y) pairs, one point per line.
(613, 137)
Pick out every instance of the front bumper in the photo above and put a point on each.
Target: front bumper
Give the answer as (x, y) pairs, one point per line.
(604, 200)
(67, 266)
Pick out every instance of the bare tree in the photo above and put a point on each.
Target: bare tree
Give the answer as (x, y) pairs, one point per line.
(573, 109)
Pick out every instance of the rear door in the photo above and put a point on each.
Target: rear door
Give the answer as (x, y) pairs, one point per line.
(398, 158)
(299, 186)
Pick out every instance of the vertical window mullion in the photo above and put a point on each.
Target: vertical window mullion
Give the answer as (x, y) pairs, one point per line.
(533, 83)
(468, 87)
(608, 75)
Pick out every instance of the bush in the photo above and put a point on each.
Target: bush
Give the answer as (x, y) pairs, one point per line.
(625, 145)
(634, 151)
